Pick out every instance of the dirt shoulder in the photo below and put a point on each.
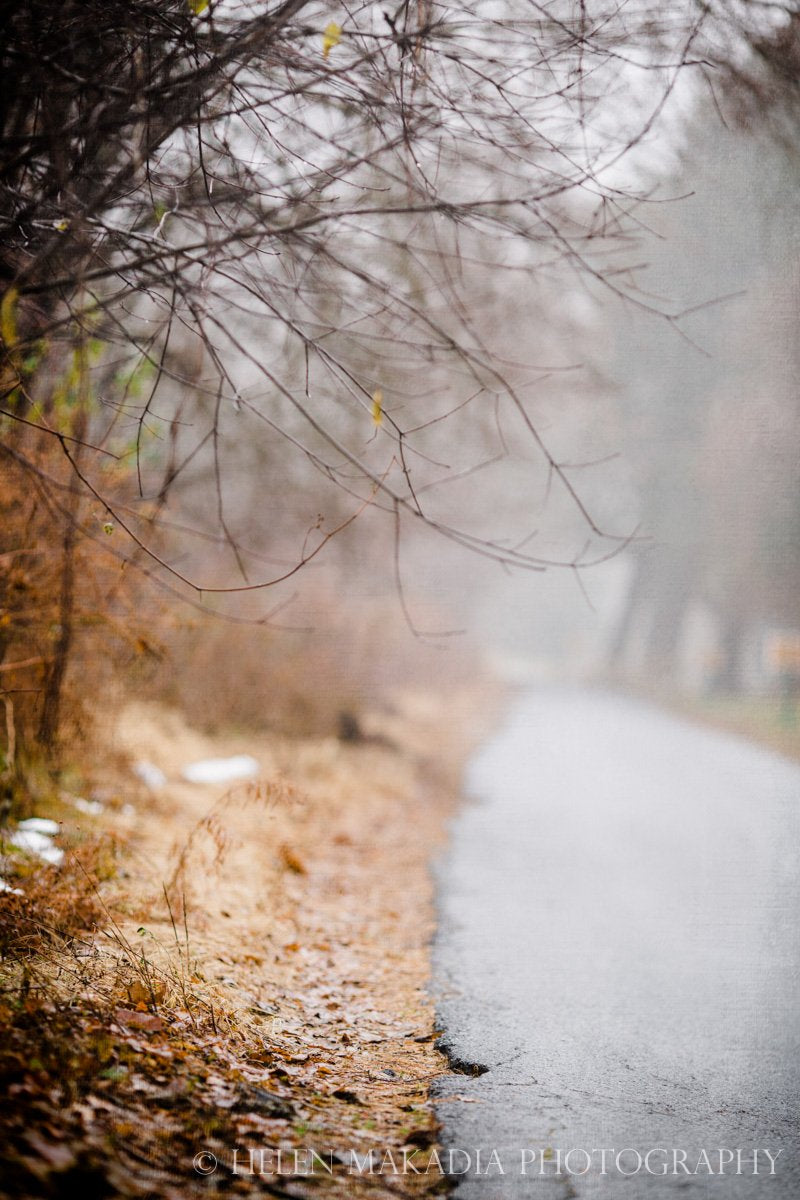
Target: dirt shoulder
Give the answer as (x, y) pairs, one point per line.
(256, 980)
(770, 721)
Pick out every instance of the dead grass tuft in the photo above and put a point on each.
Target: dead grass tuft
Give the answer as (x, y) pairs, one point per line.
(204, 851)
(59, 906)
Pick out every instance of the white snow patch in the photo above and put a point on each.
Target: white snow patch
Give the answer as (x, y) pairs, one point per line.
(220, 770)
(150, 775)
(39, 825)
(93, 807)
(38, 844)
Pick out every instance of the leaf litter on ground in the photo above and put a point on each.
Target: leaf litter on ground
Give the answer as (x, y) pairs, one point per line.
(253, 975)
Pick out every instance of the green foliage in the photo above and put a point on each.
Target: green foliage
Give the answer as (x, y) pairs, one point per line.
(133, 380)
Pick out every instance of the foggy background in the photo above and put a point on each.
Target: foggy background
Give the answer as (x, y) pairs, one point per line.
(673, 400)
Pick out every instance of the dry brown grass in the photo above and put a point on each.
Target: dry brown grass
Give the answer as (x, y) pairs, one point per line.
(347, 657)
(271, 936)
(59, 906)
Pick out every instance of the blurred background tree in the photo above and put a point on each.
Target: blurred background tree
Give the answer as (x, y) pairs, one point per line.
(713, 418)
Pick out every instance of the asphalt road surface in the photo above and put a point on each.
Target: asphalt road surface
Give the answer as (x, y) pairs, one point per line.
(619, 946)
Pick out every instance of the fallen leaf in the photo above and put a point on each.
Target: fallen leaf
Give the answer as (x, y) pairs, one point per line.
(291, 861)
(56, 1156)
(141, 993)
(270, 1104)
(139, 1020)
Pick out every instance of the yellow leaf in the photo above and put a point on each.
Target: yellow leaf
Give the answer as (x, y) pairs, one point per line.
(8, 317)
(377, 406)
(331, 37)
(198, 6)
(141, 994)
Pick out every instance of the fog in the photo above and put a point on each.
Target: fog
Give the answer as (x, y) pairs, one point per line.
(526, 391)
(666, 382)
(702, 414)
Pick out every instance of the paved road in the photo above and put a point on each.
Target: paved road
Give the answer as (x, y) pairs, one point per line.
(618, 944)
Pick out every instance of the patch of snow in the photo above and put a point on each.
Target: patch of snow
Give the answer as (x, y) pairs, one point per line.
(86, 806)
(150, 775)
(220, 770)
(6, 887)
(93, 807)
(39, 825)
(38, 844)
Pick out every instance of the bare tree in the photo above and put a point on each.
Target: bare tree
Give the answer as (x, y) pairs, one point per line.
(220, 208)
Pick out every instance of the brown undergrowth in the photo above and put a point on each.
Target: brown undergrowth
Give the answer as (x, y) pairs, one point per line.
(220, 970)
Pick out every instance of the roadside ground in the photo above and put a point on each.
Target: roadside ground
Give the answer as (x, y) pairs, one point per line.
(219, 972)
(772, 721)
